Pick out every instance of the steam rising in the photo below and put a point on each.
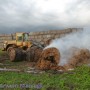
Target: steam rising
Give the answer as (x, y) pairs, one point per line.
(66, 44)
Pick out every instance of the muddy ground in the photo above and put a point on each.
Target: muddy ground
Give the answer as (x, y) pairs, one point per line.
(24, 65)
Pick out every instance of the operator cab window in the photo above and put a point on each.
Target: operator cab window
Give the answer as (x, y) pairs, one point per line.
(19, 38)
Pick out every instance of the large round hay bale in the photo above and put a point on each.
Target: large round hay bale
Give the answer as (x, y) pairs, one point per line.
(15, 54)
(51, 54)
(80, 56)
(33, 53)
(49, 57)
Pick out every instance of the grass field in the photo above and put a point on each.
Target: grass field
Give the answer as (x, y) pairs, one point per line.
(79, 79)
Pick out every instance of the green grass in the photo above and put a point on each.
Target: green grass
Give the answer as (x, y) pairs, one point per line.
(78, 80)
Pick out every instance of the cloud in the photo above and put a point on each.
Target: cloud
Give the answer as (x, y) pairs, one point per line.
(21, 15)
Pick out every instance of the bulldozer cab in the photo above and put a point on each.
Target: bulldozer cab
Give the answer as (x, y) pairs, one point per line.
(22, 39)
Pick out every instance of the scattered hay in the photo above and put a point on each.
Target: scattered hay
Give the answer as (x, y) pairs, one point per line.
(80, 57)
(3, 57)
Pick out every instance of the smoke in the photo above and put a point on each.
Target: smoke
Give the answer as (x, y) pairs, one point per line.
(67, 44)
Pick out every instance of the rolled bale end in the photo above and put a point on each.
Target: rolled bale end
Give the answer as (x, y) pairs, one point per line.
(50, 58)
(16, 54)
(33, 53)
(51, 54)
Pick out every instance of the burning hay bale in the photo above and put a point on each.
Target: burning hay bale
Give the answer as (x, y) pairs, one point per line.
(81, 56)
(33, 53)
(51, 54)
(49, 58)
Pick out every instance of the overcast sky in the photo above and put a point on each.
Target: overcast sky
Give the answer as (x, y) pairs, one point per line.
(33, 15)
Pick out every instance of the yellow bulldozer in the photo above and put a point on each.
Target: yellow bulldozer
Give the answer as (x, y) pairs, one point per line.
(17, 48)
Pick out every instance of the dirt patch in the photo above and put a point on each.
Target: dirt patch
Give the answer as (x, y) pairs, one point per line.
(3, 57)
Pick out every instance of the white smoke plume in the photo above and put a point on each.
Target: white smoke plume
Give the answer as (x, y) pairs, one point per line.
(65, 44)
